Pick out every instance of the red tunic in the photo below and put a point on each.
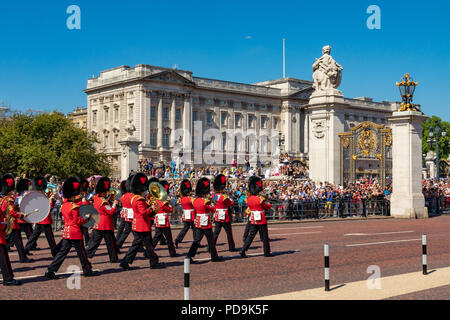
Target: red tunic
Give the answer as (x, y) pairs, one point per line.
(188, 208)
(162, 217)
(126, 206)
(202, 208)
(222, 213)
(48, 220)
(142, 213)
(8, 202)
(257, 205)
(72, 221)
(106, 213)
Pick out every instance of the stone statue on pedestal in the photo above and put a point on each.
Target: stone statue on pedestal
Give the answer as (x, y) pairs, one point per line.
(327, 74)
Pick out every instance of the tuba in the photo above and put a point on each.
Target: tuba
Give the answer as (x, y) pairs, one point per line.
(156, 191)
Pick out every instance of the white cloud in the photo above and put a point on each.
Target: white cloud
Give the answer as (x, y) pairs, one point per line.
(248, 37)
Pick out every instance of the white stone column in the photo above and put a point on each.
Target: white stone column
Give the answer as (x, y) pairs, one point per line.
(187, 124)
(172, 121)
(130, 156)
(306, 134)
(160, 121)
(407, 200)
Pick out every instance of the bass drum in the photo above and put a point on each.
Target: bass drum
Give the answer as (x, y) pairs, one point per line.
(95, 216)
(36, 204)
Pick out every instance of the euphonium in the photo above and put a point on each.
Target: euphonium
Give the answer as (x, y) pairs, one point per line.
(156, 191)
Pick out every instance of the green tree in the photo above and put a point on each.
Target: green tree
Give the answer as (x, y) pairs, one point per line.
(48, 143)
(444, 148)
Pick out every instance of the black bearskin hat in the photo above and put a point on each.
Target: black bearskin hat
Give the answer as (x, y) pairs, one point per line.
(203, 187)
(123, 187)
(139, 183)
(220, 182)
(128, 184)
(185, 187)
(153, 179)
(255, 185)
(103, 185)
(39, 183)
(165, 184)
(71, 187)
(23, 185)
(8, 184)
(84, 185)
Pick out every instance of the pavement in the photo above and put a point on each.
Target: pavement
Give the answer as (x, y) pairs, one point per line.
(295, 272)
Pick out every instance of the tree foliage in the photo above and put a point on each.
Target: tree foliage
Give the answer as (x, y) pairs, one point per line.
(48, 143)
(444, 148)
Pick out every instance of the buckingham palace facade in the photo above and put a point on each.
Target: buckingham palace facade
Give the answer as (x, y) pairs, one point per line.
(149, 103)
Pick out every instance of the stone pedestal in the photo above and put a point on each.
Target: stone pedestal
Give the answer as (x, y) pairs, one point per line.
(130, 156)
(407, 200)
(325, 120)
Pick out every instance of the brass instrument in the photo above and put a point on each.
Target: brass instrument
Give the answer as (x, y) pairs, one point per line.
(8, 222)
(156, 191)
(113, 193)
(51, 190)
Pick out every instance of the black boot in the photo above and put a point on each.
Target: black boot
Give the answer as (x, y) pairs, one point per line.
(51, 275)
(12, 282)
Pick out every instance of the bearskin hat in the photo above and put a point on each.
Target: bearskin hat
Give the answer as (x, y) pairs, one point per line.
(185, 187)
(139, 183)
(103, 185)
(165, 184)
(220, 182)
(123, 187)
(153, 179)
(71, 187)
(203, 187)
(84, 185)
(39, 183)
(8, 183)
(23, 185)
(128, 184)
(255, 185)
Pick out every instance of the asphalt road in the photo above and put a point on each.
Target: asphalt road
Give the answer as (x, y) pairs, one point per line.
(392, 245)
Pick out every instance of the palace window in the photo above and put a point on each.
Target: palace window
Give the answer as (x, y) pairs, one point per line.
(116, 114)
(166, 138)
(153, 139)
(263, 122)
(153, 112)
(178, 114)
(116, 141)
(223, 118)
(165, 113)
(106, 115)
(194, 115)
(94, 117)
(130, 112)
(275, 123)
(237, 120)
(209, 117)
(251, 122)
(106, 145)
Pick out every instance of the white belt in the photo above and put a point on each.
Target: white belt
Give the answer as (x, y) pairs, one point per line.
(221, 214)
(161, 218)
(204, 219)
(129, 213)
(188, 214)
(257, 215)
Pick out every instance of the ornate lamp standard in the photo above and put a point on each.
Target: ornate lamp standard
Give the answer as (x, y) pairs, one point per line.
(407, 87)
(434, 136)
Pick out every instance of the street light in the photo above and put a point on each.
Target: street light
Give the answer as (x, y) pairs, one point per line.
(407, 87)
(434, 136)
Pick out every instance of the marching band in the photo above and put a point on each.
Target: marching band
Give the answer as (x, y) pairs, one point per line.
(144, 205)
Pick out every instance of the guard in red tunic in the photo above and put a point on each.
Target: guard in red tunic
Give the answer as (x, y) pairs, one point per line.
(105, 228)
(22, 186)
(222, 216)
(126, 213)
(203, 226)
(141, 226)
(257, 205)
(162, 223)
(5, 263)
(8, 207)
(71, 234)
(40, 184)
(188, 210)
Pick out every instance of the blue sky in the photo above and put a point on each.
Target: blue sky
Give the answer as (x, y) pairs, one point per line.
(45, 66)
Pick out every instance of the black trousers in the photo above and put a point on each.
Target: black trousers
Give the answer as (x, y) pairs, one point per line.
(66, 245)
(26, 228)
(182, 234)
(251, 235)
(227, 226)
(15, 238)
(166, 233)
(85, 232)
(120, 228)
(38, 229)
(5, 264)
(141, 239)
(247, 229)
(198, 236)
(96, 239)
(122, 236)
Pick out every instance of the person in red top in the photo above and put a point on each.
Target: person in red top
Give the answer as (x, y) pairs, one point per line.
(257, 206)
(5, 263)
(8, 205)
(162, 223)
(40, 184)
(22, 186)
(203, 226)
(222, 216)
(71, 234)
(105, 227)
(126, 213)
(188, 210)
(141, 226)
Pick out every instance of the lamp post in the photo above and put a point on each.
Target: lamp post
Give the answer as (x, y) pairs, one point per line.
(434, 135)
(407, 87)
